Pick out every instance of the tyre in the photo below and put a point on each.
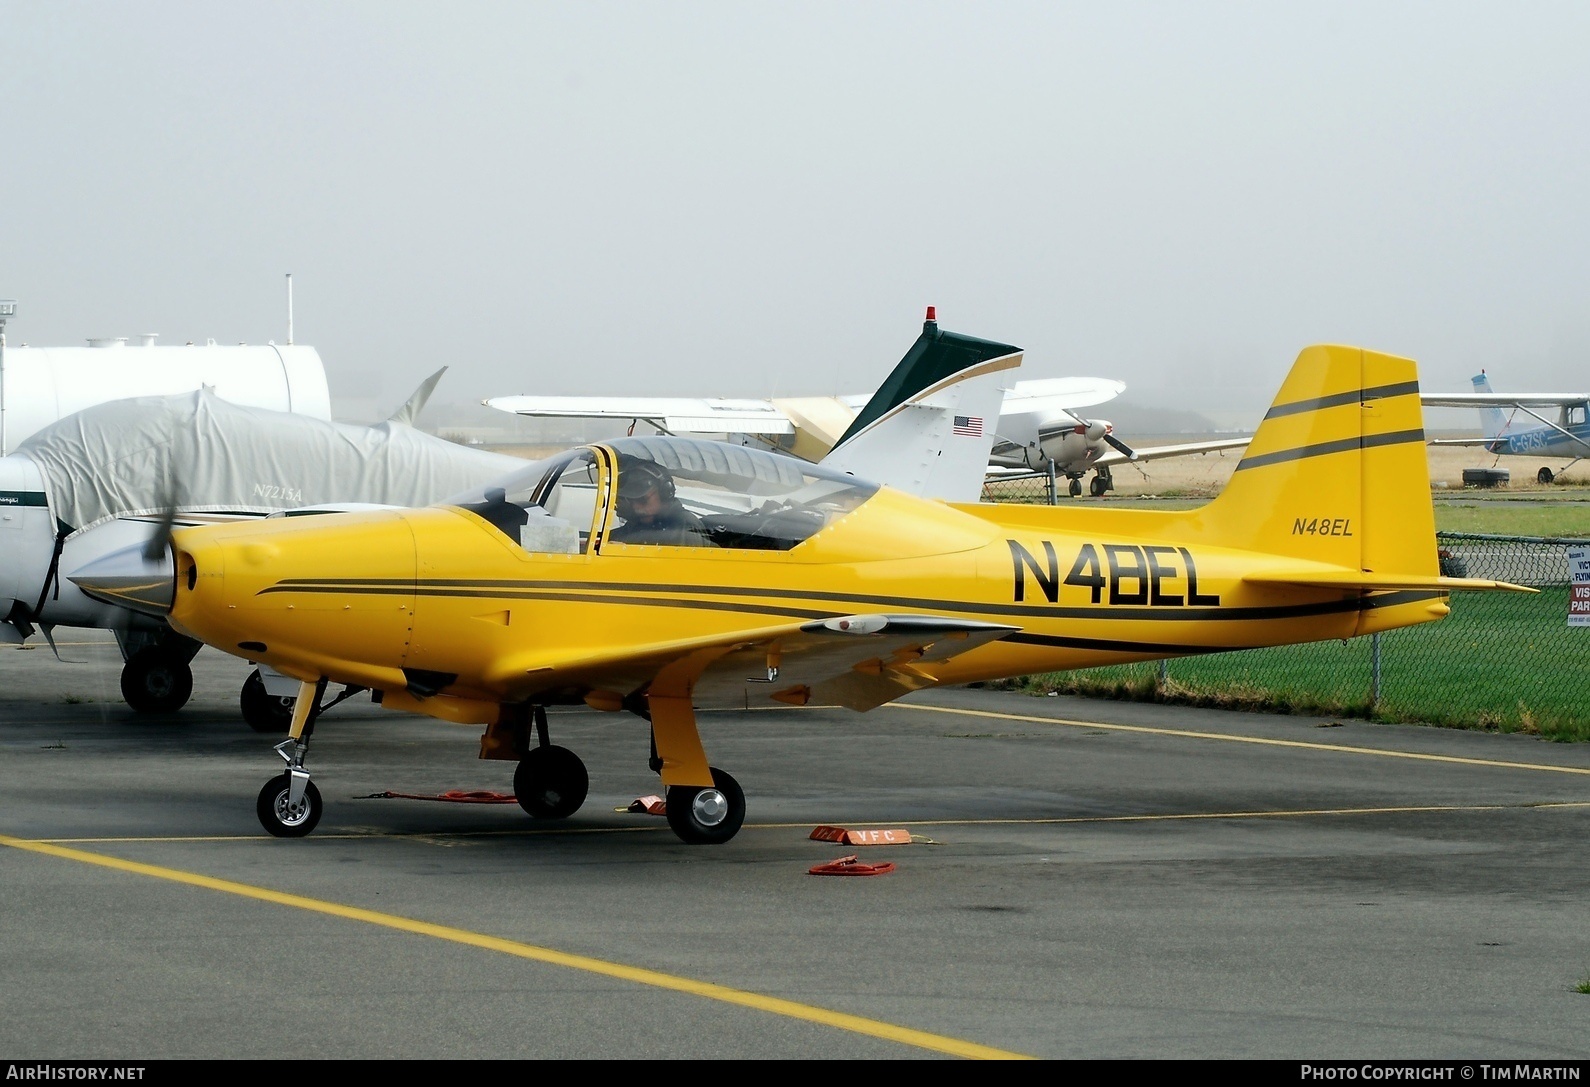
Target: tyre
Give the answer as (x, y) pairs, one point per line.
(1097, 487)
(1544, 476)
(706, 816)
(263, 711)
(153, 681)
(550, 782)
(282, 819)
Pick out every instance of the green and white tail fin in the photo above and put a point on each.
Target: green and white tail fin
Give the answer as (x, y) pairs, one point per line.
(930, 427)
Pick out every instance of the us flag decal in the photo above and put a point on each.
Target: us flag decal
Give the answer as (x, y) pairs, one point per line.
(970, 425)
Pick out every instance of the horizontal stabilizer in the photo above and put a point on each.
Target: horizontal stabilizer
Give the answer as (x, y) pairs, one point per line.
(1358, 579)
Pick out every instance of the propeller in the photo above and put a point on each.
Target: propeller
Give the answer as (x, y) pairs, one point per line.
(141, 576)
(160, 540)
(1119, 446)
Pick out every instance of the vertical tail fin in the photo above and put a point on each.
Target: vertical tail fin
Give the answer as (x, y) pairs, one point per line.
(1493, 421)
(929, 429)
(1337, 471)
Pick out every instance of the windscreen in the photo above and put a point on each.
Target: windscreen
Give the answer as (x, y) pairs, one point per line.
(696, 493)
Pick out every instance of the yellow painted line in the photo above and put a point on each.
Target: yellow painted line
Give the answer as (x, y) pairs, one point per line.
(1304, 744)
(788, 1008)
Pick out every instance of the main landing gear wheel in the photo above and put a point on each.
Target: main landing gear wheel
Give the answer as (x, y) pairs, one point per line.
(282, 818)
(1544, 475)
(550, 782)
(1097, 487)
(263, 711)
(707, 816)
(154, 681)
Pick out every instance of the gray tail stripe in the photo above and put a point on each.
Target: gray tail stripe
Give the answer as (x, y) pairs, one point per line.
(1336, 400)
(1365, 441)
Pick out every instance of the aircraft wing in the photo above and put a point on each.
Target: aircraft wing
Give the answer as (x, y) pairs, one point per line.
(716, 415)
(1501, 400)
(1058, 394)
(676, 414)
(1159, 452)
(857, 661)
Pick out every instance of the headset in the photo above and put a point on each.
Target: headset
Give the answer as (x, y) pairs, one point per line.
(637, 478)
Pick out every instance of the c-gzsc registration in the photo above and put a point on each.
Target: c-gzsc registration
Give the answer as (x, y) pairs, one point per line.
(775, 581)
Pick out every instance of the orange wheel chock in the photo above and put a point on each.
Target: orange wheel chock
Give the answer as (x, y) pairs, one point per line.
(869, 836)
(850, 866)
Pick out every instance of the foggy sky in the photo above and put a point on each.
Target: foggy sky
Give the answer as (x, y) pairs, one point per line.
(753, 199)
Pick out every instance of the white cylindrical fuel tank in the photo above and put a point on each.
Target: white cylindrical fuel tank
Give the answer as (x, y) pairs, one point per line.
(44, 384)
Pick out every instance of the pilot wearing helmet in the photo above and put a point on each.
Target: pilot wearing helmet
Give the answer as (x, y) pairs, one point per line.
(651, 510)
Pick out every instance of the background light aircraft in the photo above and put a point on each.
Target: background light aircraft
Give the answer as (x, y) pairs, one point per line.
(1566, 436)
(805, 587)
(1036, 424)
(101, 480)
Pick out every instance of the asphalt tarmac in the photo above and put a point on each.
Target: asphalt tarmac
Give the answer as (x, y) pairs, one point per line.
(1084, 879)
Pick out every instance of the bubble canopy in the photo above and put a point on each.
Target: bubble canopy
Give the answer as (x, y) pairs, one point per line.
(712, 494)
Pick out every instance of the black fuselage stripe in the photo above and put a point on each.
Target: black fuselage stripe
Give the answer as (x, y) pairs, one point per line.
(688, 597)
(1343, 445)
(1336, 400)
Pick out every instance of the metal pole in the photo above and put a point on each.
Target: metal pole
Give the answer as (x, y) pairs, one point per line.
(1374, 671)
(1052, 484)
(8, 308)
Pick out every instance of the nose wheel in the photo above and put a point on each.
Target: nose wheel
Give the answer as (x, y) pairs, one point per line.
(285, 815)
(708, 815)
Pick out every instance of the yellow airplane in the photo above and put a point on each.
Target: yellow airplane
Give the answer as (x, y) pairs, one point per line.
(661, 575)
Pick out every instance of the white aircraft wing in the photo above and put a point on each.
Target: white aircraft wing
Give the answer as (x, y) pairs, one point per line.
(715, 415)
(1158, 452)
(1501, 400)
(1058, 394)
(677, 414)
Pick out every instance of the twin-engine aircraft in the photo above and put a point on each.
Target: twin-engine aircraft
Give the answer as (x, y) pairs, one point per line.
(1036, 425)
(1566, 436)
(112, 475)
(657, 576)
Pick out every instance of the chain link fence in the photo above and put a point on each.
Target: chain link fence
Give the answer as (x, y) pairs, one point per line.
(1503, 661)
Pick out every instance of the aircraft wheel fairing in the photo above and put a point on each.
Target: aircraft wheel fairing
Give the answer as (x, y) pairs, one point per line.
(550, 782)
(281, 818)
(154, 681)
(263, 711)
(707, 816)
